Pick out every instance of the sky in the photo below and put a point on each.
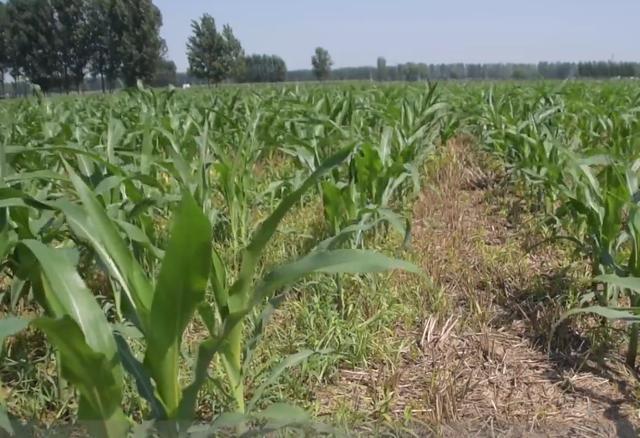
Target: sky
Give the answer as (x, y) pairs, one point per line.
(356, 32)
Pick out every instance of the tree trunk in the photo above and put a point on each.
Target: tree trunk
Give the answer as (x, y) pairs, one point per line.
(102, 83)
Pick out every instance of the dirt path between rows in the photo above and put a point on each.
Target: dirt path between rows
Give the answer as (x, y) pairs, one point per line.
(483, 367)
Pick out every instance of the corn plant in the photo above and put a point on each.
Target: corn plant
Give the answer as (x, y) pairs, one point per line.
(579, 158)
(93, 355)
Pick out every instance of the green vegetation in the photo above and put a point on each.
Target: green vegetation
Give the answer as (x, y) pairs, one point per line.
(210, 260)
(321, 62)
(141, 232)
(375, 257)
(264, 68)
(419, 71)
(54, 44)
(574, 151)
(213, 56)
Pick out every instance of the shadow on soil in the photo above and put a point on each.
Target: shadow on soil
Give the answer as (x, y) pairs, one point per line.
(534, 311)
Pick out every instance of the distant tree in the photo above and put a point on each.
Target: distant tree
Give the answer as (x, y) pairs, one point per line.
(495, 71)
(73, 29)
(141, 45)
(107, 24)
(234, 52)
(300, 75)
(400, 72)
(382, 69)
(279, 69)
(264, 68)
(34, 42)
(353, 73)
(4, 49)
(518, 75)
(415, 72)
(165, 74)
(213, 56)
(321, 62)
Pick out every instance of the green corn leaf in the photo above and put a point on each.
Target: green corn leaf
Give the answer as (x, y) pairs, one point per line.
(46, 175)
(135, 234)
(5, 421)
(632, 283)
(67, 295)
(352, 261)
(631, 314)
(91, 373)
(92, 224)
(238, 296)
(10, 326)
(180, 289)
(115, 133)
(7, 241)
(144, 385)
(224, 424)
(15, 198)
(206, 351)
(282, 415)
(266, 230)
(17, 288)
(219, 283)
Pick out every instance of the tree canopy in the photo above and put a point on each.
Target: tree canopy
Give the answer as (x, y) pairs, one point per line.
(213, 56)
(321, 62)
(264, 68)
(55, 43)
(141, 45)
(165, 74)
(4, 54)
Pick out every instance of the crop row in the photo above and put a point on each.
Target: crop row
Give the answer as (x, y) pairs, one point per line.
(172, 200)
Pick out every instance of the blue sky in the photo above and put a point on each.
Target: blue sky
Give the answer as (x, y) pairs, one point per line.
(356, 32)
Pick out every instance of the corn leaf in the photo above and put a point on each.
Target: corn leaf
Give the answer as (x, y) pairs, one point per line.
(90, 372)
(352, 261)
(67, 295)
(632, 283)
(10, 326)
(179, 290)
(92, 224)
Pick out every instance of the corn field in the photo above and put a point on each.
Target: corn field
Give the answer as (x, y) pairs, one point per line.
(128, 219)
(153, 236)
(573, 151)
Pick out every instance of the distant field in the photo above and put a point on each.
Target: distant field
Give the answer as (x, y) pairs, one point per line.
(397, 258)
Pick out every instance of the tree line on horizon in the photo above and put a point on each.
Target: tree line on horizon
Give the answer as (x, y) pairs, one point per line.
(74, 45)
(65, 45)
(488, 71)
(55, 44)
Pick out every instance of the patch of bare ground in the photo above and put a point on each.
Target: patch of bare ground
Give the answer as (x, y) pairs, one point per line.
(480, 365)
